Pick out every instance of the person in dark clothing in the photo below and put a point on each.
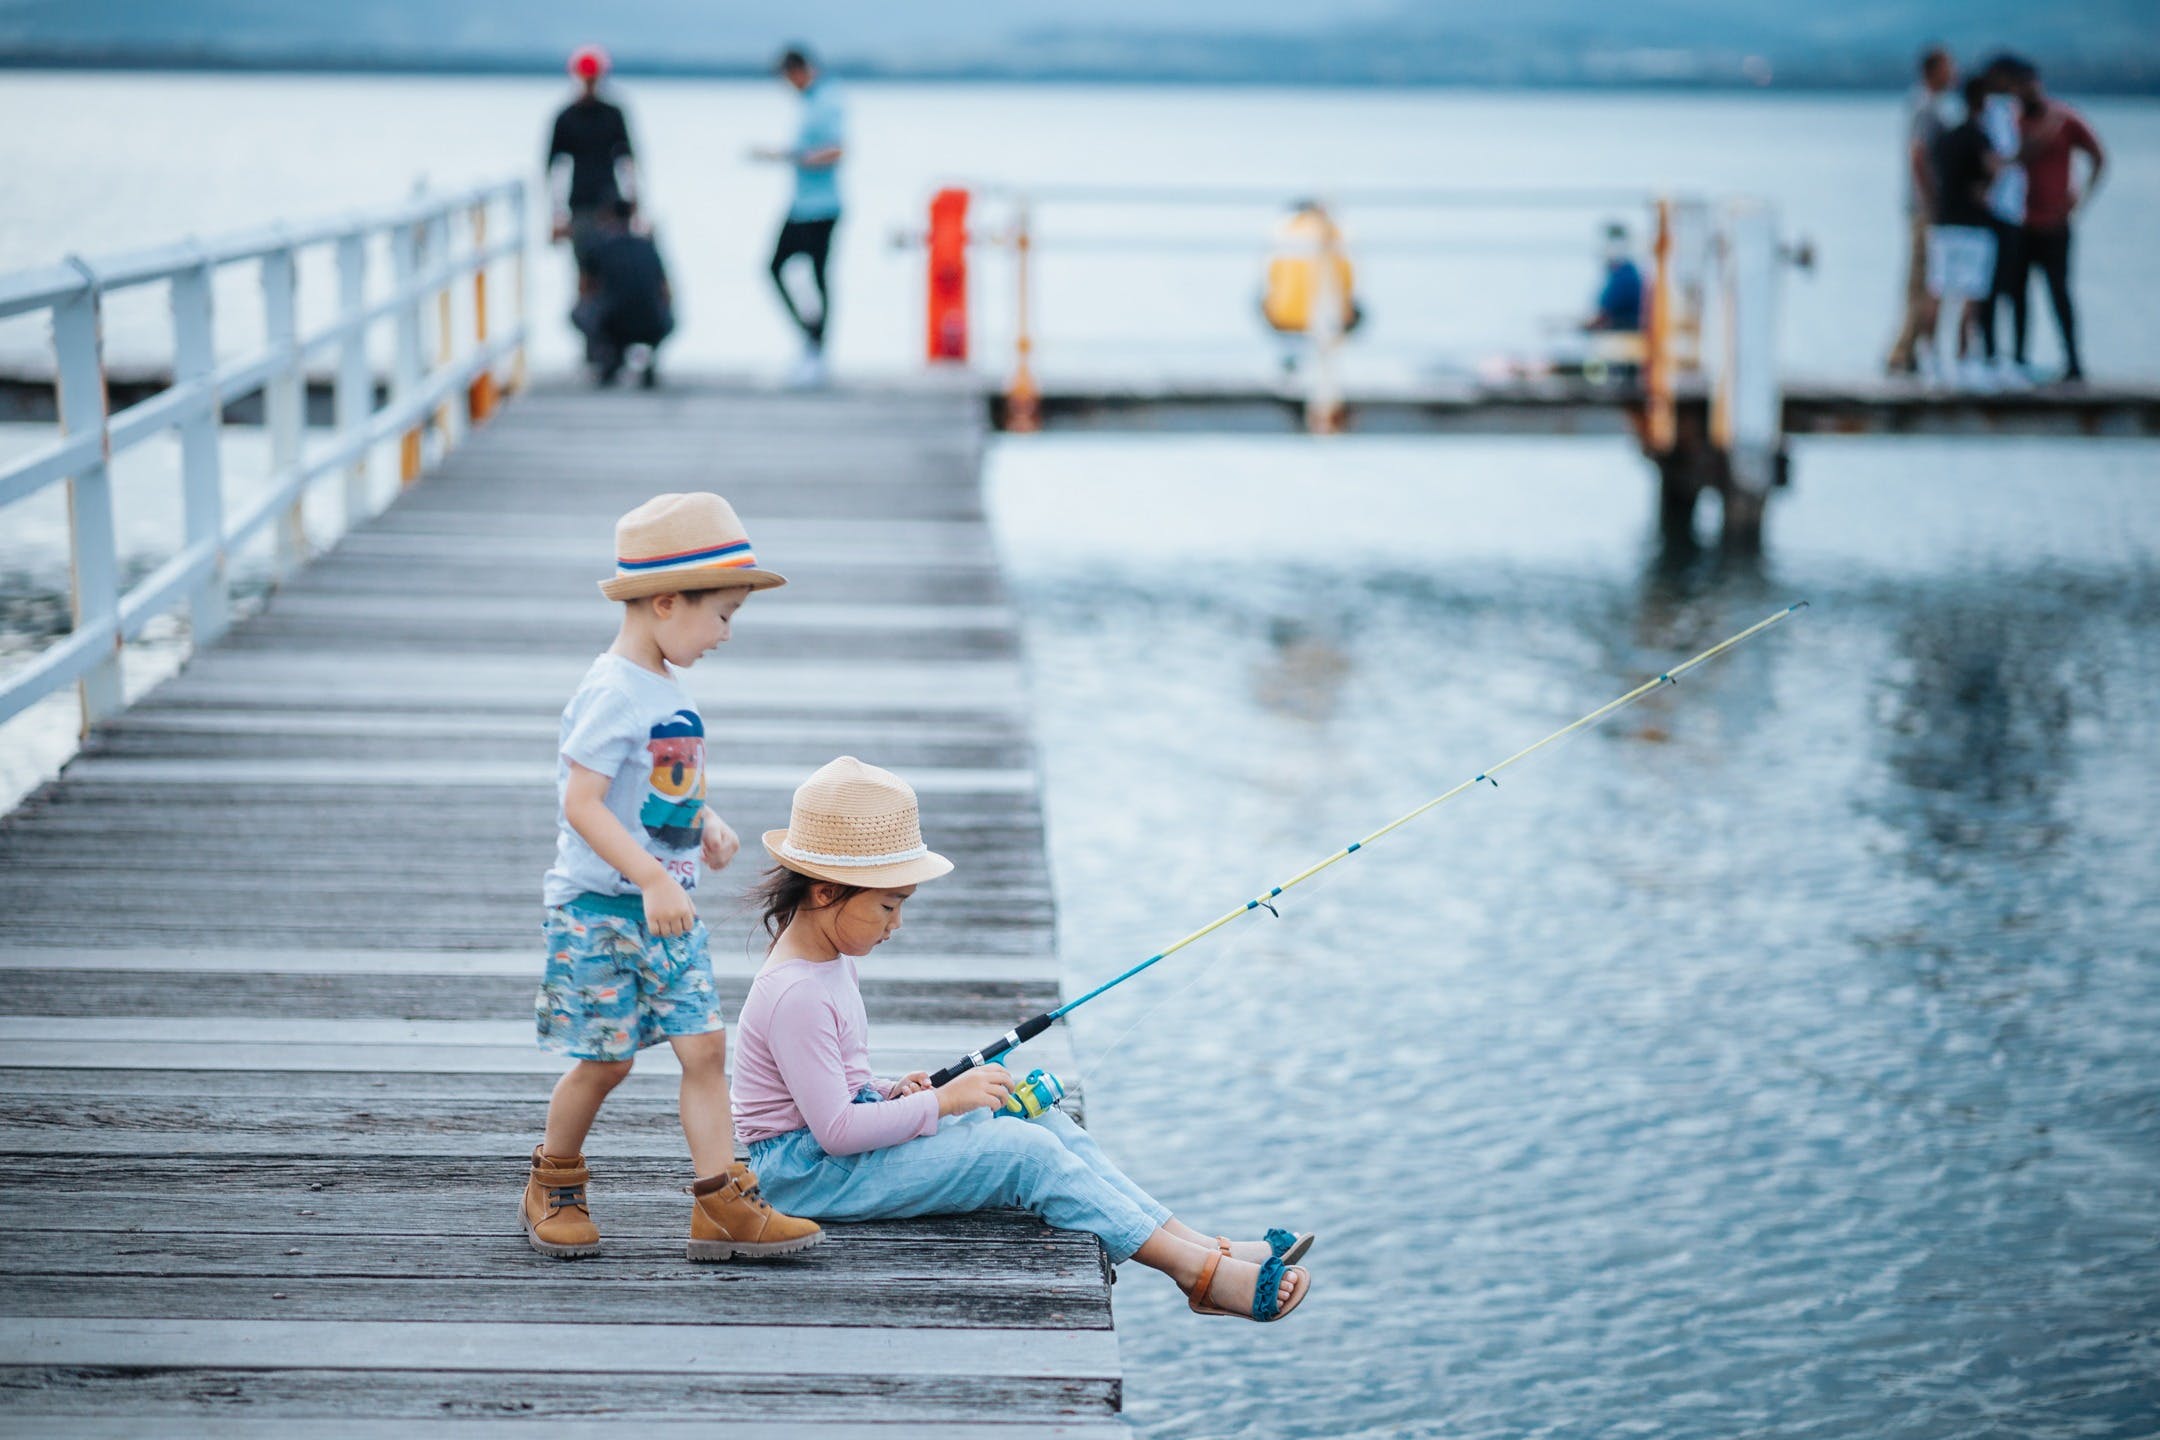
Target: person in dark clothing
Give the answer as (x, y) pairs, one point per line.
(630, 306)
(1961, 242)
(2053, 134)
(591, 141)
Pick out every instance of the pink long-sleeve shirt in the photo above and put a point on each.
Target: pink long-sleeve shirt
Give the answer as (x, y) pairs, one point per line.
(802, 1054)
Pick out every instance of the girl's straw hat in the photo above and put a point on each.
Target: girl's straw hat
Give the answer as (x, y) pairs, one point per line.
(683, 542)
(857, 825)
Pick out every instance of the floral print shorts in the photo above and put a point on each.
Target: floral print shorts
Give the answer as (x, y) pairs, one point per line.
(612, 987)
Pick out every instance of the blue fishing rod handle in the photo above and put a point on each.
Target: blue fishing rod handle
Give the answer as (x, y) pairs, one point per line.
(992, 1053)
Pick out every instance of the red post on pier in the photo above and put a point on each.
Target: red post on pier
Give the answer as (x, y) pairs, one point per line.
(947, 331)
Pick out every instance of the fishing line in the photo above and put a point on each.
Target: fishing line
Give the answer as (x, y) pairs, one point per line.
(1034, 1025)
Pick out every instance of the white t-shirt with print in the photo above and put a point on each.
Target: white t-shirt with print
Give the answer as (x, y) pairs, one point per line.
(644, 732)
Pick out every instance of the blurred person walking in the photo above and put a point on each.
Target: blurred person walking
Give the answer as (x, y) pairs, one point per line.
(2053, 134)
(814, 212)
(1924, 126)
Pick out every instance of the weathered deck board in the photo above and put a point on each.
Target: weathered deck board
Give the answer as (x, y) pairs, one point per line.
(268, 946)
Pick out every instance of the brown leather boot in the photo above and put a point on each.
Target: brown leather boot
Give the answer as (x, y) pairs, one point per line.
(557, 1221)
(729, 1218)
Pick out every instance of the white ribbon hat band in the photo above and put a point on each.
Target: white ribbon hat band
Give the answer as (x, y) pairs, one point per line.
(860, 862)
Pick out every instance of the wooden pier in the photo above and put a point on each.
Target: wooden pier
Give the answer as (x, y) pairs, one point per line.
(1564, 405)
(270, 945)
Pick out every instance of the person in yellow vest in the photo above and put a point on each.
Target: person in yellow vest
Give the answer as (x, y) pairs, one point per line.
(1293, 273)
(1304, 241)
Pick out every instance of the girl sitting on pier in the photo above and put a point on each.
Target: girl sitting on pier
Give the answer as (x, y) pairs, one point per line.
(830, 1141)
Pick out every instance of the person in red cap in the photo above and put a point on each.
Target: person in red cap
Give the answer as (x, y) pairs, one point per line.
(591, 142)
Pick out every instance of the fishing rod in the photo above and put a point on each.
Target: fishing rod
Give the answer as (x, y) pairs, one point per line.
(1034, 1025)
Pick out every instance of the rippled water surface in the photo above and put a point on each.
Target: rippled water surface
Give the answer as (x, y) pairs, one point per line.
(1777, 1060)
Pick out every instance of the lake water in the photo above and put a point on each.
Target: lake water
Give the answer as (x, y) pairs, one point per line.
(1775, 1061)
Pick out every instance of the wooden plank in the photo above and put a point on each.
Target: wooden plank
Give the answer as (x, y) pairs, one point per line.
(543, 727)
(443, 1046)
(753, 1295)
(986, 1005)
(912, 542)
(227, 1427)
(478, 774)
(574, 519)
(680, 1350)
(899, 1261)
(167, 1402)
(336, 574)
(873, 622)
(638, 1196)
(900, 967)
(527, 682)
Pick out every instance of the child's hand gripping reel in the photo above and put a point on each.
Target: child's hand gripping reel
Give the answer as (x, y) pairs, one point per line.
(1041, 1091)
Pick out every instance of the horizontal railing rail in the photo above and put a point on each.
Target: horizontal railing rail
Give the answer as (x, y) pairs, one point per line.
(435, 243)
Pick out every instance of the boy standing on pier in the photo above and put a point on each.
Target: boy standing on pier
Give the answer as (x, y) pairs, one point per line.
(627, 966)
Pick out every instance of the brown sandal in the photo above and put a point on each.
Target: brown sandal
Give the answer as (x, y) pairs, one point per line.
(1264, 1288)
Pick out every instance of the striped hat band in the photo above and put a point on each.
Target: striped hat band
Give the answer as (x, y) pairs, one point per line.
(737, 554)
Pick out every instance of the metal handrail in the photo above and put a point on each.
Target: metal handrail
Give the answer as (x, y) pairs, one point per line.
(430, 251)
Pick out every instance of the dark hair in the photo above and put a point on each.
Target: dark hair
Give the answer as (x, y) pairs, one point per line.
(1976, 93)
(1931, 57)
(780, 893)
(2014, 69)
(795, 57)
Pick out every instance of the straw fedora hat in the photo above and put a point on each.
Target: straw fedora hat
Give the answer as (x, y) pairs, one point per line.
(683, 542)
(857, 825)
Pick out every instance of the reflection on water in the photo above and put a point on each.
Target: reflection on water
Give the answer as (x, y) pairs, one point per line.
(1978, 729)
(1775, 1060)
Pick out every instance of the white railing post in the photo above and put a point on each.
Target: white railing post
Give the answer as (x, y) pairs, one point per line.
(405, 366)
(93, 549)
(1745, 416)
(202, 483)
(285, 404)
(521, 236)
(355, 394)
(439, 246)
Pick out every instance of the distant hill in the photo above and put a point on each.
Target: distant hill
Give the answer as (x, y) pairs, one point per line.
(2104, 44)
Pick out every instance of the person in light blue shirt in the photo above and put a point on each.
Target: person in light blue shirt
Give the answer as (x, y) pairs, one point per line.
(815, 210)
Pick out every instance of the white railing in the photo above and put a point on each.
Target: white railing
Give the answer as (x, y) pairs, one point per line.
(434, 243)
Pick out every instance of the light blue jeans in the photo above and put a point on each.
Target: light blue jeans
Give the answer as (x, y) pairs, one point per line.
(977, 1161)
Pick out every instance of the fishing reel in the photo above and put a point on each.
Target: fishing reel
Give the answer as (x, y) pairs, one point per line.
(1041, 1091)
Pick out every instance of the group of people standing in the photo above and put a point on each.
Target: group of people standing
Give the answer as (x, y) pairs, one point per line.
(625, 306)
(1990, 193)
